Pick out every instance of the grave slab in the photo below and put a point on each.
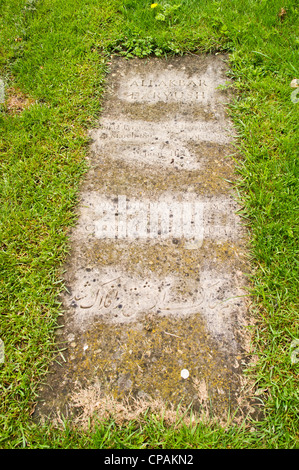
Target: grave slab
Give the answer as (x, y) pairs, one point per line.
(156, 274)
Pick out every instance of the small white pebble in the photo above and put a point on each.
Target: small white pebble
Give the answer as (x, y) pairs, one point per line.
(85, 347)
(184, 374)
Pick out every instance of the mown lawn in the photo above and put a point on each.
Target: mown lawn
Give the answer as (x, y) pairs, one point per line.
(54, 57)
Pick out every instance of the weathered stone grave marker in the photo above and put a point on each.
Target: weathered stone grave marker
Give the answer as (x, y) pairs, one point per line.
(155, 283)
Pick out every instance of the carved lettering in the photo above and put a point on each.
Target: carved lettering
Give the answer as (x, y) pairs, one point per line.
(167, 84)
(135, 296)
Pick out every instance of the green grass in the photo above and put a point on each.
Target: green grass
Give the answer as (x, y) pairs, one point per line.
(57, 53)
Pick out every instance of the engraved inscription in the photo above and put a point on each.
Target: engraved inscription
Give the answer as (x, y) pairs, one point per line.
(121, 297)
(172, 86)
(166, 96)
(164, 145)
(168, 83)
(173, 131)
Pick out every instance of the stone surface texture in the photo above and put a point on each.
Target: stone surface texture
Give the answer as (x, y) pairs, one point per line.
(151, 290)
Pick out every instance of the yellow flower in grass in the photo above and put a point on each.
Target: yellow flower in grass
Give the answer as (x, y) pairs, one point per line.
(154, 5)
